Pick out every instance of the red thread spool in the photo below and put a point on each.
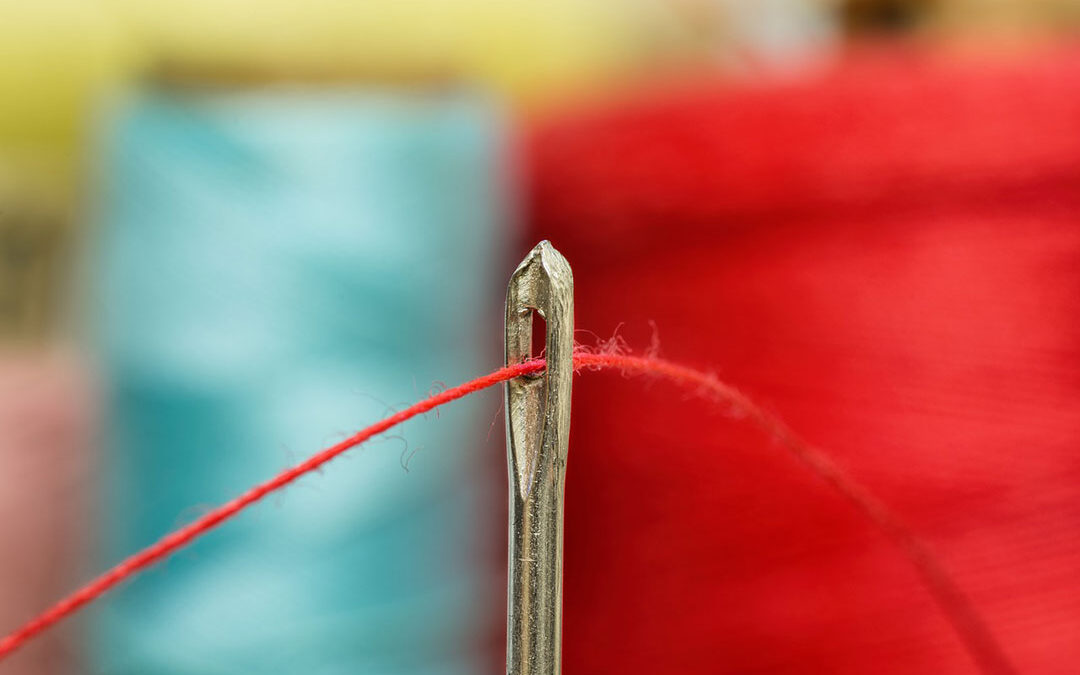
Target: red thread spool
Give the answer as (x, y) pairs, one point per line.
(887, 256)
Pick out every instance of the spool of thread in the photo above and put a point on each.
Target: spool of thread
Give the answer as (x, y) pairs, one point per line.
(274, 265)
(885, 255)
(46, 464)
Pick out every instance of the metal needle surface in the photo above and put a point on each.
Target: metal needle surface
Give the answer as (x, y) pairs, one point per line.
(538, 426)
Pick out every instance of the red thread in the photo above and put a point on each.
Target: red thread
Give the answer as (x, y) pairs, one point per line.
(886, 248)
(965, 619)
(976, 636)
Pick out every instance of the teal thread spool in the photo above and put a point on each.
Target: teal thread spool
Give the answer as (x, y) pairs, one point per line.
(266, 259)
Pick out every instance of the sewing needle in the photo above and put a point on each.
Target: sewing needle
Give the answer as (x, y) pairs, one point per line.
(538, 426)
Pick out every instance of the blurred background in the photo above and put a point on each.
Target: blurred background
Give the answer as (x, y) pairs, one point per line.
(232, 232)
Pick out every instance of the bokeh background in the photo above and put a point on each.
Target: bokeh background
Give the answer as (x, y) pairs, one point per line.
(232, 232)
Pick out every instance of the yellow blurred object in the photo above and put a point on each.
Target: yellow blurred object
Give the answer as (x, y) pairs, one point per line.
(529, 49)
(55, 57)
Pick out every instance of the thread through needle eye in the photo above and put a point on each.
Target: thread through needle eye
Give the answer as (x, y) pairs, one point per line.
(537, 430)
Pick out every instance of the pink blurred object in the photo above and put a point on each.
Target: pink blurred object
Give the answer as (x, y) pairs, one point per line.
(47, 436)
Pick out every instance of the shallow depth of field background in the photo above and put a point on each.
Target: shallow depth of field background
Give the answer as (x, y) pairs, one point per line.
(233, 231)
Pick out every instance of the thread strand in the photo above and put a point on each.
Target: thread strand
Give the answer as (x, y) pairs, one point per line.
(970, 627)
